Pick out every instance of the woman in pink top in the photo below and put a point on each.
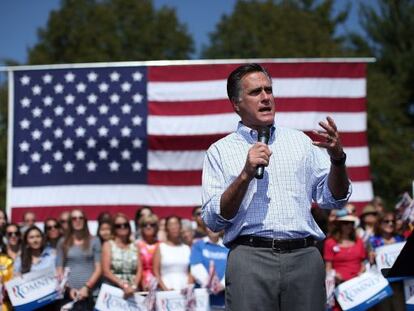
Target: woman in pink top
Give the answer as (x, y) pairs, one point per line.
(147, 245)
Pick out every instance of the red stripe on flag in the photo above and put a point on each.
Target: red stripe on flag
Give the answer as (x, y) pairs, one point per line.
(282, 105)
(202, 142)
(276, 70)
(360, 173)
(174, 178)
(93, 211)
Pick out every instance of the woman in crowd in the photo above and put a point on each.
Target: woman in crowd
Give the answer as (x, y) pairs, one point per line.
(143, 211)
(13, 237)
(368, 220)
(104, 231)
(120, 257)
(385, 235)
(147, 246)
(64, 219)
(52, 232)
(80, 252)
(344, 252)
(172, 258)
(35, 255)
(187, 232)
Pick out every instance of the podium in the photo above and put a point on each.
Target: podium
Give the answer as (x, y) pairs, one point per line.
(403, 266)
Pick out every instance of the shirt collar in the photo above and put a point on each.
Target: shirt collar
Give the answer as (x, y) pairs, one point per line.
(206, 239)
(251, 135)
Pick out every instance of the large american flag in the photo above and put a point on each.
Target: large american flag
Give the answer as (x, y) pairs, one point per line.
(117, 136)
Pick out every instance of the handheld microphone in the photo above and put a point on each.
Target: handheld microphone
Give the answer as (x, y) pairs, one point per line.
(262, 137)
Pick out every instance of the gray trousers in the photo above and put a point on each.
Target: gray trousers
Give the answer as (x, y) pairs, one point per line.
(261, 279)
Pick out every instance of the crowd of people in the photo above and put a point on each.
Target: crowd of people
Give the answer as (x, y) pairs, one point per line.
(175, 252)
(171, 252)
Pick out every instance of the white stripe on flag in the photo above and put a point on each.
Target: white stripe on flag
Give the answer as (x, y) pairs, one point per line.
(289, 87)
(227, 122)
(362, 191)
(106, 195)
(193, 160)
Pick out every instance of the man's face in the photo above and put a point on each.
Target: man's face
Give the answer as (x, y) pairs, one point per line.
(257, 105)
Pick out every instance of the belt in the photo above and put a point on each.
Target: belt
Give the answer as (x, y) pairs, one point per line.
(277, 245)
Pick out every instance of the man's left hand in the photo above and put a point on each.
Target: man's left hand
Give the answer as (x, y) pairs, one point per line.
(330, 138)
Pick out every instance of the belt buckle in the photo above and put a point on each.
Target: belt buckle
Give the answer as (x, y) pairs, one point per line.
(275, 247)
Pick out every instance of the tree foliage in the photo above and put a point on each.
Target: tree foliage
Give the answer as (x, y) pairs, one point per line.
(111, 30)
(388, 37)
(288, 28)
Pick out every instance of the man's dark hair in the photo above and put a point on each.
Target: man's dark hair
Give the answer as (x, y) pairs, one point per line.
(233, 81)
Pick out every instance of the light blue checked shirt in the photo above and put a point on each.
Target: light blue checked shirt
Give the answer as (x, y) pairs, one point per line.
(279, 205)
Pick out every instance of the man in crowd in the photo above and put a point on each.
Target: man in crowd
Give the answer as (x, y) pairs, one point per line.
(268, 223)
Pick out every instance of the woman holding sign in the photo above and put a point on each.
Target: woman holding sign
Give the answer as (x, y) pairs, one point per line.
(344, 252)
(385, 234)
(81, 253)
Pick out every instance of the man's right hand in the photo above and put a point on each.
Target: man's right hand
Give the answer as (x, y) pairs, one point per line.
(259, 154)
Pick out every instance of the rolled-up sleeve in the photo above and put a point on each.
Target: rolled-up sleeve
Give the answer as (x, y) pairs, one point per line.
(321, 193)
(213, 186)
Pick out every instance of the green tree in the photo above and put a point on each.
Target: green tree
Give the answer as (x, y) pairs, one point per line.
(111, 30)
(277, 28)
(388, 36)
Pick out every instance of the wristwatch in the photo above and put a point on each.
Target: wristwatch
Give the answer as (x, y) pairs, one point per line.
(339, 162)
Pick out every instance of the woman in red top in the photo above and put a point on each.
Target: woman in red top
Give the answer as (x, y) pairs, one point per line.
(344, 252)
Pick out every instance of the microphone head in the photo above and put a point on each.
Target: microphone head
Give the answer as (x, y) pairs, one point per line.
(263, 134)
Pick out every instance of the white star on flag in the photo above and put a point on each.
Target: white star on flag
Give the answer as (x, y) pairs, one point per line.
(137, 76)
(47, 78)
(103, 87)
(126, 86)
(36, 134)
(114, 76)
(69, 166)
(24, 124)
(69, 99)
(35, 157)
(23, 169)
(59, 88)
(114, 143)
(137, 98)
(114, 166)
(46, 168)
(25, 80)
(69, 77)
(92, 76)
(136, 166)
(48, 100)
(36, 90)
(24, 146)
(91, 166)
(59, 110)
(58, 156)
(80, 87)
(25, 102)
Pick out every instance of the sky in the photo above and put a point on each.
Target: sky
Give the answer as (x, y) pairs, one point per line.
(20, 20)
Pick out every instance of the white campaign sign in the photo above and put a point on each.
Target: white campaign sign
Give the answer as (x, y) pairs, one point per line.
(111, 298)
(387, 254)
(33, 290)
(175, 301)
(409, 294)
(363, 291)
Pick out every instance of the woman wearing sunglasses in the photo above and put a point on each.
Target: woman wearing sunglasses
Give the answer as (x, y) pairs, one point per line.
(81, 252)
(52, 232)
(120, 257)
(13, 238)
(147, 245)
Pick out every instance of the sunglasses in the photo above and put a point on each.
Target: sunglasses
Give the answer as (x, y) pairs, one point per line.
(149, 225)
(124, 225)
(63, 221)
(77, 218)
(52, 227)
(385, 221)
(13, 233)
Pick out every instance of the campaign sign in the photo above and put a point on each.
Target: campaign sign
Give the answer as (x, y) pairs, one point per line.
(362, 292)
(409, 294)
(33, 290)
(387, 254)
(175, 301)
(112, 298)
